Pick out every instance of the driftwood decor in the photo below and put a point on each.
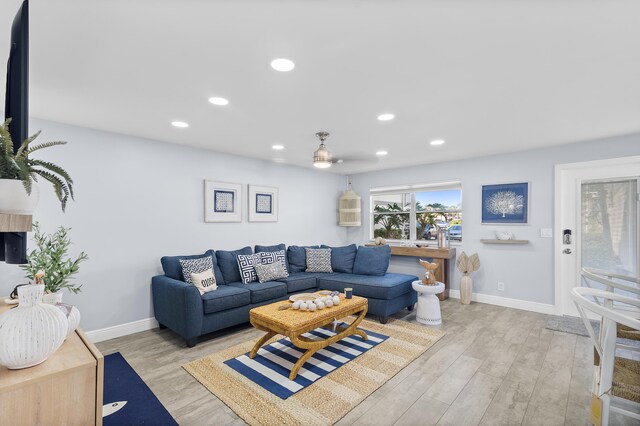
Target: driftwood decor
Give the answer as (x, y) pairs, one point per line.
(466, 265)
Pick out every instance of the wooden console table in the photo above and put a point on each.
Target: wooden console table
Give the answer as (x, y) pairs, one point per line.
(66, 389)
(441, 256)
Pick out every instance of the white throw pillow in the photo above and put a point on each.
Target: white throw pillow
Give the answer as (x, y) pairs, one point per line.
(204, 281)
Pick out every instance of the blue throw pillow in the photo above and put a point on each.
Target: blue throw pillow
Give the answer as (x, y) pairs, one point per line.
(372, 260)
(172, 268)
(228, 263)
(270, 249)
(297, 257)
(342, 258)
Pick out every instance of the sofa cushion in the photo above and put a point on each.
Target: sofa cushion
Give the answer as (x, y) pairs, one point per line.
(301, 281)
(204, 281)
(269, 249)
(279, 256)
(297, 257)
(270, 271)
(228, 263)
(318, 260)
(197, 265)
(225, 297)
(372, 260)
(172, 268)
(388, 286)
(261, 292)
(342, 258)
(246, 263)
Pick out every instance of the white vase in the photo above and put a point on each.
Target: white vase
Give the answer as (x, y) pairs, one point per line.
(52, 298)
(73, 317)
(14, 198)
(31, 332)
(466, 287)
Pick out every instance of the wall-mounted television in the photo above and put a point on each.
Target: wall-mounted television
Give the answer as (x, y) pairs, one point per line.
(13, 245)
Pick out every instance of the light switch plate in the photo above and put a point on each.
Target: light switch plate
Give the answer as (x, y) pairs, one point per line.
(546, 233)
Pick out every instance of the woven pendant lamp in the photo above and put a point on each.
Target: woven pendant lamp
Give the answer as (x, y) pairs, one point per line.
(350, 207)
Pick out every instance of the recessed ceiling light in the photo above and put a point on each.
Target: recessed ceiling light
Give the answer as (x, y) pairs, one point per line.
(277, 147)
(219, 101)
(437, 142)
(282, 64)
(386, 117)
(381, 153)
(180, 124)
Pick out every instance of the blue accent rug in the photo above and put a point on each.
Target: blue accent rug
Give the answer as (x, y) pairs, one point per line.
(122, 384)
(272, 365)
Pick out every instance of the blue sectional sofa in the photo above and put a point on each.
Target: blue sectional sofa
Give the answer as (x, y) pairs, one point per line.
(180, 306)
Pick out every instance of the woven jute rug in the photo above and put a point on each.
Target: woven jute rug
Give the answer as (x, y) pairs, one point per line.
(330, 398)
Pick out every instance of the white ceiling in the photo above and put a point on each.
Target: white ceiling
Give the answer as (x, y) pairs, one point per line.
(486, 76)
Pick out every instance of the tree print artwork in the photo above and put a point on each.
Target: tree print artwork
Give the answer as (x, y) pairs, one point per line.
(505, 202)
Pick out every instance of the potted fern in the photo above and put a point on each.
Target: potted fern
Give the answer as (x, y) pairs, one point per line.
(19, 174)
(49, 263)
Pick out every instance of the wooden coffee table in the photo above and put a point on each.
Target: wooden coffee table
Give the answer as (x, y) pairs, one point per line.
(293, 324)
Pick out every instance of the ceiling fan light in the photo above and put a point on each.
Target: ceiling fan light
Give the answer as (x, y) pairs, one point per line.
(322, 157)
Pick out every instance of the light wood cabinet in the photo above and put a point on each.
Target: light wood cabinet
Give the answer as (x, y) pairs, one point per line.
(66, 389)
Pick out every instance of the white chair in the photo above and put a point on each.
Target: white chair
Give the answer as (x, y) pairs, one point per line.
(615, 377)
(616, 283)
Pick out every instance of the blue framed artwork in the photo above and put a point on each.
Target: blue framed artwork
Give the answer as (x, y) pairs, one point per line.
(506, 203)
(263, 203)
(222, 202)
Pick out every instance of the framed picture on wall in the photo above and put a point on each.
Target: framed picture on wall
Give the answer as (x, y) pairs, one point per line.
(263, 203)
(222, 202)
(506, 203)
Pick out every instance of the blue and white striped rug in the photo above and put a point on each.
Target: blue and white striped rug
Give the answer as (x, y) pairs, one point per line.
(272, 365)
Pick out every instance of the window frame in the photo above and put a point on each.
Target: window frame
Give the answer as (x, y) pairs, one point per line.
(411, 190)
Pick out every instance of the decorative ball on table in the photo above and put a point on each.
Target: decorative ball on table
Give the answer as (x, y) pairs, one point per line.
(429, 277)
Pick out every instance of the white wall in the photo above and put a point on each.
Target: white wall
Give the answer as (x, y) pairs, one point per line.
(138, 199)
(526, 270)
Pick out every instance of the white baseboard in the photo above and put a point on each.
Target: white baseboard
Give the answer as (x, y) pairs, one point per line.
(149, 323)
(525, 305)
(108, 333)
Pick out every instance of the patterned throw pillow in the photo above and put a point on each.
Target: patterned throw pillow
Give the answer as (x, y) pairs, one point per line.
(204, 281)
(270, 271)
(318, 260)
(195, 266)
(245, 264)
(267, 257)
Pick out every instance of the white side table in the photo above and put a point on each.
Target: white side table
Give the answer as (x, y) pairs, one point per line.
(428, 311)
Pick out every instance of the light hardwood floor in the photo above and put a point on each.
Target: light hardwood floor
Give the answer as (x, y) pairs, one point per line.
(495, 366)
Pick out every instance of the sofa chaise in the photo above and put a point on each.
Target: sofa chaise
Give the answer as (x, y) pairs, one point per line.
(182, 308)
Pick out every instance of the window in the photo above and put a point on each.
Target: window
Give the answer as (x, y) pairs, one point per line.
(417, 212)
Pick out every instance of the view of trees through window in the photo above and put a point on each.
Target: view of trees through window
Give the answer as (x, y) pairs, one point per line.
(417, 215)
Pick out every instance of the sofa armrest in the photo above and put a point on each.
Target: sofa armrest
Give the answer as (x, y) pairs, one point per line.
(177, 305)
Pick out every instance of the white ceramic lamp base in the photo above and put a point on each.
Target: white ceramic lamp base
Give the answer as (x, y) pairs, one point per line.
(428, 310)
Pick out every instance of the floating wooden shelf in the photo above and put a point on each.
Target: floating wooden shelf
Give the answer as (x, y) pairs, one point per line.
(505, 241)
(15, 223)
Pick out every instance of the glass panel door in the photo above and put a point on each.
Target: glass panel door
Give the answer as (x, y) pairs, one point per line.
(609, 225)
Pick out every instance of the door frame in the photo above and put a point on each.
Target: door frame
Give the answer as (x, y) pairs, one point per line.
(563, 172)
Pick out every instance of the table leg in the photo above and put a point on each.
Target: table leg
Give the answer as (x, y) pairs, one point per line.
(261, 342)
(315, 345)
(442, 276)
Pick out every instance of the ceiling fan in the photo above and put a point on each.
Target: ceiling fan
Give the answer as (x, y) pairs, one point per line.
(323, 159)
